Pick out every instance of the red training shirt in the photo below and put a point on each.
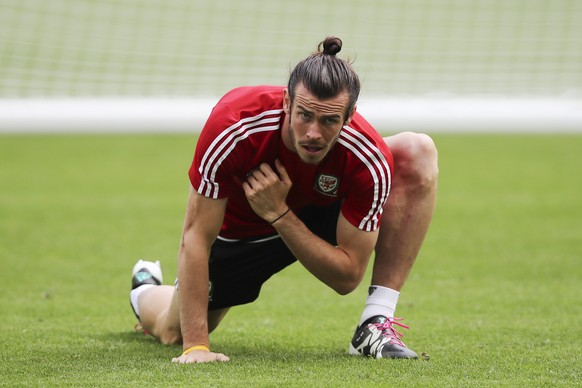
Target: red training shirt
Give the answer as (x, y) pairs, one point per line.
(244, 130)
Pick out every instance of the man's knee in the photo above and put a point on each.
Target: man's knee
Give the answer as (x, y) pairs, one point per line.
(167, 329)
(170, 336)
(415, 158)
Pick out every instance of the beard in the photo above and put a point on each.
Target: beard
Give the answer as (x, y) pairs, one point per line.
(311, 152)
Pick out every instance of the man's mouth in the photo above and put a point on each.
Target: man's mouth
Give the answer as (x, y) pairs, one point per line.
(312, 148)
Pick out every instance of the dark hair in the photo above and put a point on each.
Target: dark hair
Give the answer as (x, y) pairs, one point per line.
(326, 75)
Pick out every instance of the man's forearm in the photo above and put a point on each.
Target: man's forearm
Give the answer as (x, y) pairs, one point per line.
(330, 264)
(193, 289)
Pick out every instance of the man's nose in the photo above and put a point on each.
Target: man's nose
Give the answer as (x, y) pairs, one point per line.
(314, 131)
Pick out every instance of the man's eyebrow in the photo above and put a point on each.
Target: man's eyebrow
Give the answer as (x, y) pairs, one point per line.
(324, 116)
(299, 106)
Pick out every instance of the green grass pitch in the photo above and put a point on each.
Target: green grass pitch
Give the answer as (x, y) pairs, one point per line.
(494, 299)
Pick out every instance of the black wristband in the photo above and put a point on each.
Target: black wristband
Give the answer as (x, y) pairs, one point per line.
(281, 216)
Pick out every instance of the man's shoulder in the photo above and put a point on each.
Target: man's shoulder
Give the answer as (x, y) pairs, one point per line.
(260, 95)
(244, 105)
(359, 130)
(365, 147)
(361, 124)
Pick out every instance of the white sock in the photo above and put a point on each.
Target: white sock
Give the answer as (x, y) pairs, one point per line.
(380, 301)
(135, 293)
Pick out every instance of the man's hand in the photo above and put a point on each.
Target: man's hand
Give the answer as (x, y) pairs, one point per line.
(266, 190)
(198, 356)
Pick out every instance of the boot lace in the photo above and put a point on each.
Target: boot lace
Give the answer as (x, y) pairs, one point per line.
(389, 331)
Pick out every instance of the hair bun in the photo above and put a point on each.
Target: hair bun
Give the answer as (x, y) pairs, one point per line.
(331, 45)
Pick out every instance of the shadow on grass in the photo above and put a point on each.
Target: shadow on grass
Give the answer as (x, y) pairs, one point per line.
(249, 349)
(256, 360)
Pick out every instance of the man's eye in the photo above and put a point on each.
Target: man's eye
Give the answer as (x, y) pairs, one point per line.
(304, 115)
(331, 121)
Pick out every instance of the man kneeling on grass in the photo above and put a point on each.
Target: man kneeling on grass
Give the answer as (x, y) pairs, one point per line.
(285, 174)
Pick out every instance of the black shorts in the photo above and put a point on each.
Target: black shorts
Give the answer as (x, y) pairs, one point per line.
(238, 269)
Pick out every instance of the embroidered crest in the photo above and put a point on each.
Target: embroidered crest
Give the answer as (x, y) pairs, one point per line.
(327, 184)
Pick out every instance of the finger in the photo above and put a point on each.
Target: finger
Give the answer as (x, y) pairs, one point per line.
(179, 360)
(252, 185)
(282, 172)
(253, 180)
(247, 188)
(187, 359)
(259, 173)
(266, 170)
(201, 358)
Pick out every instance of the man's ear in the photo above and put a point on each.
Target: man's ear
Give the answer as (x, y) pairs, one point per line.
(287, 102)
(351, 116)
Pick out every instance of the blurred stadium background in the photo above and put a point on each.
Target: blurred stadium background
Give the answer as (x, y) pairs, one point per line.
(155, 65)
